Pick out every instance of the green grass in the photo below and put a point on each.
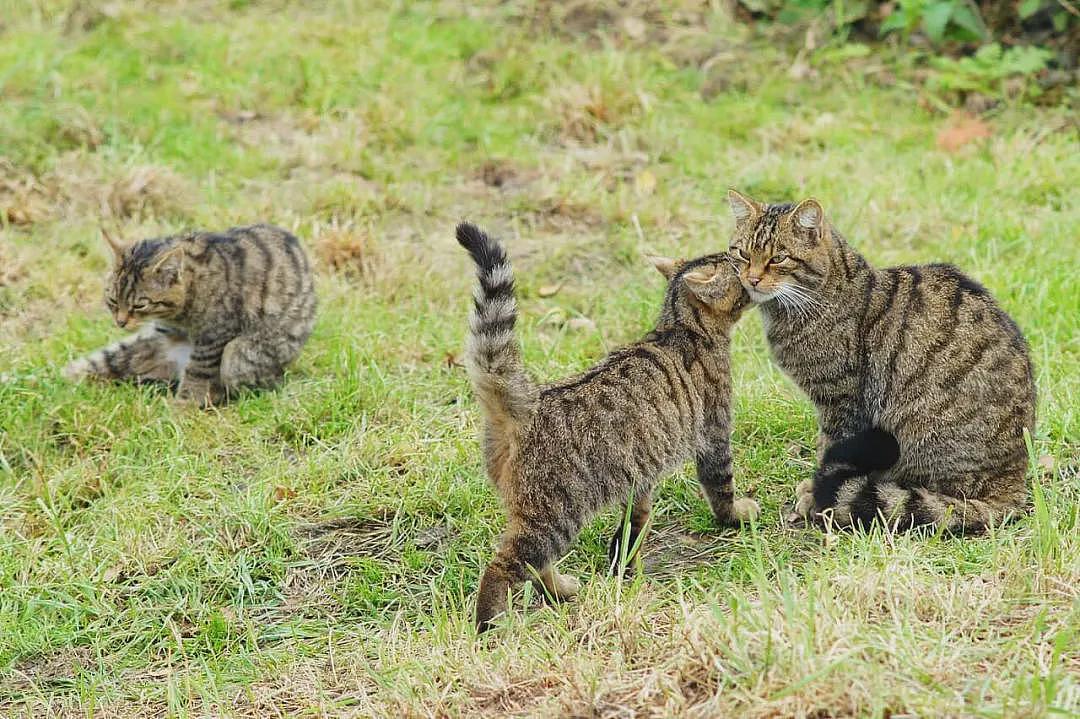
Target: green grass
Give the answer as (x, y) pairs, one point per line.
(315, 550)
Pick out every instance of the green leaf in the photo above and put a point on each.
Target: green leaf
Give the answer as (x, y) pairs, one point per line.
(963, 16)
(936, 19)
(895, 21)
(1028, 8)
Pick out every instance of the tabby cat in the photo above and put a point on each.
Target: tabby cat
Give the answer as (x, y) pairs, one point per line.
(225, 311)
(559, 453)
(916, 370)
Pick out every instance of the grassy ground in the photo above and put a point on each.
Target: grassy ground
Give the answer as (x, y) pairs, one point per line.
(314, 551)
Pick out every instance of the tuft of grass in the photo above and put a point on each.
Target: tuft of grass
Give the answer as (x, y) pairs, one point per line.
(315, 550)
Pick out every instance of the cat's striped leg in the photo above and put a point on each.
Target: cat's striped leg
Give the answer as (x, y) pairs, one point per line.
(525, 549)
(155, 353)
(715, 477)
(201, 381)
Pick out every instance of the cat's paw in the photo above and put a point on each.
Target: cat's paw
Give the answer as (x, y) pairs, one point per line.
(744, 509)
(804, 503)
(559, 587)
(565, 587)
(76, 370)
(197, 395)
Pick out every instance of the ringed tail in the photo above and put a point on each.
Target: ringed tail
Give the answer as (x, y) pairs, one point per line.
(492, 350)
(870, 450)
(901, 507)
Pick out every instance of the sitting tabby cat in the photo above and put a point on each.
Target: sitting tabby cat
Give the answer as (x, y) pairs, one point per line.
(225, 311)
(559, 453)
(914, 370)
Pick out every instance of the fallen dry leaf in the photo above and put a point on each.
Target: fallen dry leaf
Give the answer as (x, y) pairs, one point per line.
(549, 290)
(283, 493)
(963, 129)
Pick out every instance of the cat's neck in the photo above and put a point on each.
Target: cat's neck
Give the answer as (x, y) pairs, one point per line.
(702, 354)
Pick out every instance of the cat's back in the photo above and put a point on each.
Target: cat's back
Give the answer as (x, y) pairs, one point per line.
(263, 268)
(947, 337)
(252, 249)
(940, 299)
(636, 395)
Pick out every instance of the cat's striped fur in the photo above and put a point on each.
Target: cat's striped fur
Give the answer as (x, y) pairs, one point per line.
(923, 353)
(225, 311)
(559, 453)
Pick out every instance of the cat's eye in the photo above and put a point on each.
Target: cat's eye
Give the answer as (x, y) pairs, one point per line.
(140, 305)
(778, 259)
(739, 253)
(110, 303)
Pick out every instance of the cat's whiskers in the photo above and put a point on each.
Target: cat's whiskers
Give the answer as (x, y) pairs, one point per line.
(799, 301)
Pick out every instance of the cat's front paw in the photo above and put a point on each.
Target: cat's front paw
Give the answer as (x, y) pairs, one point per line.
(198, 394)
(560, 587)
(745, 509)
(804, 503)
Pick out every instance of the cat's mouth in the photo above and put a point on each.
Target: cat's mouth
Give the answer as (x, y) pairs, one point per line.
(758, 297)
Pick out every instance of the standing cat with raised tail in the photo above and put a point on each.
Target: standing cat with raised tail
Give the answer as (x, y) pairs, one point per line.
(559, 453)
(223, 311)
(916, 373)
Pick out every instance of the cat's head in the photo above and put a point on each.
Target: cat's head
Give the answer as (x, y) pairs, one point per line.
(709, 284)
(147, 280)
(782, 250)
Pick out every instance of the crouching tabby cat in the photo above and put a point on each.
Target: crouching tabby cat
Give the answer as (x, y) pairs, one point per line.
(916, 372)
(224, 311)
(559, 453)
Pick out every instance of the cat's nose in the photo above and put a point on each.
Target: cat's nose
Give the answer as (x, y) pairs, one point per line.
(122, 319)
(753, 280)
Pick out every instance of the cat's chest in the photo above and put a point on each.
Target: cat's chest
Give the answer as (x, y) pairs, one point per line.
(800, 346)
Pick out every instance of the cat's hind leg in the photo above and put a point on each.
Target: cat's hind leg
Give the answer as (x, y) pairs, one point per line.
(153, 354)
(252, 360)
(523, 550)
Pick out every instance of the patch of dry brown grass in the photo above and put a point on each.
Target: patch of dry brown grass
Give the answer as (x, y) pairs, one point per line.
(345, 249)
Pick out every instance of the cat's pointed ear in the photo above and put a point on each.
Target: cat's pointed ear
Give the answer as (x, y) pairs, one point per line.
(115, 245)
(168, 265)
(808, 215)
(702, 282)
(742, 207)
(665, 265)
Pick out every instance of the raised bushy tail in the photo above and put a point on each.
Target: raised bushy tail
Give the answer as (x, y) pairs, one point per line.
(492, 351)
(900, 507)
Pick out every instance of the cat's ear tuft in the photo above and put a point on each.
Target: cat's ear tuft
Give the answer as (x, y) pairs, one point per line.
(742, 207)
(809, 215)
(115, 245)
(665, 265)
